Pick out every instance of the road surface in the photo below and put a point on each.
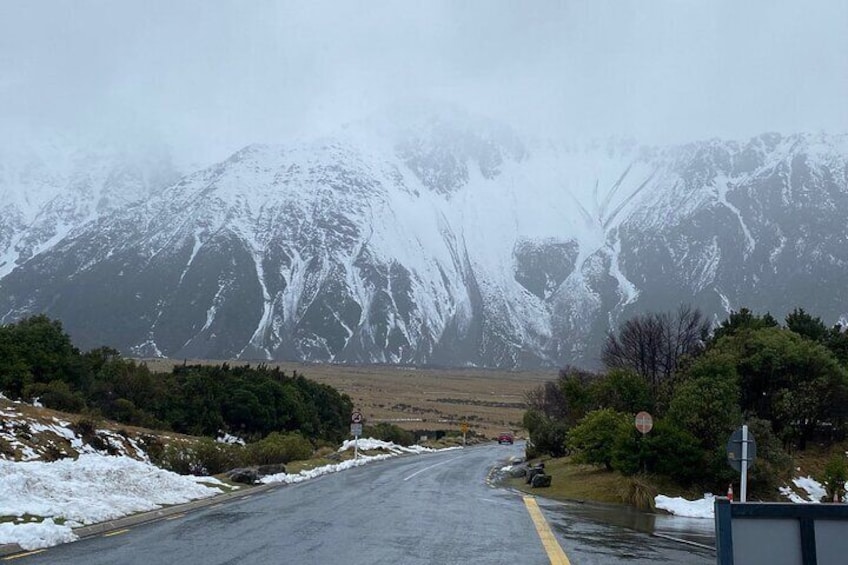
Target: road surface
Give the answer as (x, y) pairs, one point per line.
(434, 508)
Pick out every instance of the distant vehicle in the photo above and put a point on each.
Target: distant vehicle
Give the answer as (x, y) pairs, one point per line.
(505, 437)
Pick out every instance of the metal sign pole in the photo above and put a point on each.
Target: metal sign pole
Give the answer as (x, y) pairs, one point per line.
(356, 446)
(743, 497)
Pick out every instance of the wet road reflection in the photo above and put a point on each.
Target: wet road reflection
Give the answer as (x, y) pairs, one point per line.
(609, 534)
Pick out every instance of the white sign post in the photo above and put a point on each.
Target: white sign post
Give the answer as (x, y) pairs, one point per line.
(356, 430)
(741, 454)
(744, 487)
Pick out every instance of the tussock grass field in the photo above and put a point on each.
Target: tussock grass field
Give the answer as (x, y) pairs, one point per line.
(490, 401)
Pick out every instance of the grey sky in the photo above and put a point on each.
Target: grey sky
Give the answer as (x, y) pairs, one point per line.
(212, 76)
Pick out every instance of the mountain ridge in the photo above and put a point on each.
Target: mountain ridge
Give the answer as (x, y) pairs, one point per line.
(461, 246)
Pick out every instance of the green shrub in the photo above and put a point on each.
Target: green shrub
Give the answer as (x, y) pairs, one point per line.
(623, 391)
(154, 447)
(279, 448)
(531, 451)
(547, 435)
(593, 438)
(666, 450)
(56, 395)
(835, 475)
(389, 432)
(211, 457)
(773, 466)
(204, 457)
(178, 458)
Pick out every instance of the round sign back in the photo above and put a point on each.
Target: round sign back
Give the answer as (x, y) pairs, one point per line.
(644, 422)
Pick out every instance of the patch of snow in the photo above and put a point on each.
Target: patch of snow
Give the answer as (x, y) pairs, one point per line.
(211, 481)
(679, 506)
(814, 489)
(305, 475)
(92, 488)
(36, 535)
(365, 444)
(370, 444)
(230, 439)
(722, 186)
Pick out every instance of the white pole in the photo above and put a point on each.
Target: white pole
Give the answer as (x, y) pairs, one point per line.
(356, 446)
(744, 486)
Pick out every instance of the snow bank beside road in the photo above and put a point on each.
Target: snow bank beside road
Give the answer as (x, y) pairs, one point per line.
(365, 444)
(679, 506)
(370, 444)
(91, 489)
(35, 535)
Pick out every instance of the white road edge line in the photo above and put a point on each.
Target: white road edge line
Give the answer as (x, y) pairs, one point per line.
(428, 468)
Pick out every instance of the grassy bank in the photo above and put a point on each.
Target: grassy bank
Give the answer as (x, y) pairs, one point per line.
(577, 482)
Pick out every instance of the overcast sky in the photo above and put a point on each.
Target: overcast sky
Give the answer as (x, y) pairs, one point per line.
(212, 76)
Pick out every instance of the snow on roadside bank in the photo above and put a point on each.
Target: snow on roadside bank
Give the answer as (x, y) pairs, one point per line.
(96, 488)
(91, 489)
(705, 507)
(814, 489)
(370, 444)
(365, 444)
(679, 506)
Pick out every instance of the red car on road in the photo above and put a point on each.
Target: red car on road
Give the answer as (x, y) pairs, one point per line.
(505, 437)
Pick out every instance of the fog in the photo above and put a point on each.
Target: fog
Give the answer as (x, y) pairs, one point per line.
(209, 77)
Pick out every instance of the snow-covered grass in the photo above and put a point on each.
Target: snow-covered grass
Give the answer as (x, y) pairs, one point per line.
(91, 489)
(29, 433)
(35, 535)
(814, 490)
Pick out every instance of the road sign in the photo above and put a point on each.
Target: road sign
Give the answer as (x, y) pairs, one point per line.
(734, 450)
(356, 430)
(644, 422)
(741, 453)
(356, 417)
(464, 427)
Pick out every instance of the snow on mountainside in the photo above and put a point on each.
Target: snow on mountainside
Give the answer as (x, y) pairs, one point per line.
(449, 242)
(50, 186)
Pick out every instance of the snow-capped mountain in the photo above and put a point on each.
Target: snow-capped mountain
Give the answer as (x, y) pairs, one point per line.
(53, 185)
(448, 242)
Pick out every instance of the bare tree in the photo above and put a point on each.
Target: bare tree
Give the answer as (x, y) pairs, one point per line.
(548, 399)
(653, 345)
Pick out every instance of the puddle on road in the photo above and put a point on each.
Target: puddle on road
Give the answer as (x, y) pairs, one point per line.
(691, 529)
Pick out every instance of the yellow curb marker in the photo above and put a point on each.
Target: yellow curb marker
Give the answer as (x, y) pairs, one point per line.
(551, 545)
(116, 533)
(19, 555)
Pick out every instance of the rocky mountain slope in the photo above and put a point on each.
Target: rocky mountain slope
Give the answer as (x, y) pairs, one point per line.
(446, 243)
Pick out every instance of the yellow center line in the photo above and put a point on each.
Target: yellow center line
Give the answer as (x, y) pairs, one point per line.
(175, 516)
(19, 555)
(551, 545)
(116, 533)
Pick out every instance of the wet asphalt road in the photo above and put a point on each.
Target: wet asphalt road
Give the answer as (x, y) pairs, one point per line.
(435, 508)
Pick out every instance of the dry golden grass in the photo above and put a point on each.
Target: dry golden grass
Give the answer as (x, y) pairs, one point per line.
(489, 401)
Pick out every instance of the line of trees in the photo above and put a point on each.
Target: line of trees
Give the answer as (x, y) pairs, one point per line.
(789, 383)
(38, 360)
